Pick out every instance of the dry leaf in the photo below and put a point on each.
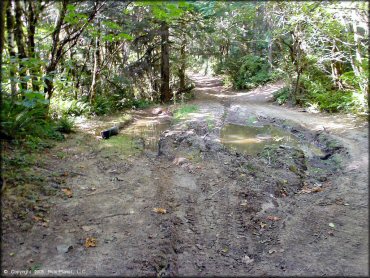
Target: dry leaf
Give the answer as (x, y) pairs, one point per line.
(90, 242)
(68, 192)
(263, 225)
(315, 189)
(37, 218)
(160, 210)
(273, 218)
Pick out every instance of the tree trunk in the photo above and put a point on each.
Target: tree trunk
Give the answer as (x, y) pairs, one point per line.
(165, 63)
(19, 38)
(269, 55)
(96, 70)
(32, 21)
(3, 5)
(336, 68)
(182, 65)
(10, 29)
(55, 52)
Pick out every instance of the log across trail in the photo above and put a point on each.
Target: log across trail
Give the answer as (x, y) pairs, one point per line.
(201, 208)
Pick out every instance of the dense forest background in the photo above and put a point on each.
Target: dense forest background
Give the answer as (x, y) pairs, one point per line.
(62, 59)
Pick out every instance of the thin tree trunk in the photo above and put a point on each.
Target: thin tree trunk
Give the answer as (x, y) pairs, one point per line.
(269, 55)
(182, 65)
(32, 21)
(3, 5)
(165, 63)
(95, 73)
(10, 29)
(19, 38)
(336, 68)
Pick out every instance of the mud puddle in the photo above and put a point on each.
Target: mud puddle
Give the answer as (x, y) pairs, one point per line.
(146, 132)
(252, 140)
(142, 134)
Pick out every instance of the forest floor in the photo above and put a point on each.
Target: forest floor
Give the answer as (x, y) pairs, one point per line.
(240, 187)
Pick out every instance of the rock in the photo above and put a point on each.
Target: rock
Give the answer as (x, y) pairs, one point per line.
(247, 260)
(179, 160)
(157, 111)
(64, 248)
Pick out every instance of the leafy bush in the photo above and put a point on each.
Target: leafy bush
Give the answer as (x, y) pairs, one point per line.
(253, 71)
(64, 125)
(141, 103)
(282, 96)
(246, 72)
(69, 107)
(102, 105)
(19, 121)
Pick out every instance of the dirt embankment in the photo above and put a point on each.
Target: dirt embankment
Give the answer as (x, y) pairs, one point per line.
(197, 206)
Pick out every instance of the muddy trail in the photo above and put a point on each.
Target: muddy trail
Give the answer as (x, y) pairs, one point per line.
(239, 187)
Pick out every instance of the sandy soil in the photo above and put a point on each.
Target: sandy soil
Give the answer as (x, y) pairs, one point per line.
(281, 212)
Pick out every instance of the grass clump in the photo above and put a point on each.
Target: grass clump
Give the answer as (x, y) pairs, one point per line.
(184, 110)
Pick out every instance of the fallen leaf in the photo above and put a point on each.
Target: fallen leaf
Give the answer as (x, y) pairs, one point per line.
(90, 242)
(273, 218)
(68, 192)
(11, 254)
(37, 218)
(332, 225)
(315, 189)
(160, 210)
(263, 225)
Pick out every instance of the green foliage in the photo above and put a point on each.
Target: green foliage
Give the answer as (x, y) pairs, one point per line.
(184, 110)
(19, 121)
(68, 107)
(283, 95)
(141, 103)
(64, 125)
(102, 105)
(246, 72)
(253, 71)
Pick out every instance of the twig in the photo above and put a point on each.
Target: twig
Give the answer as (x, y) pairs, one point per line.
(215, 193)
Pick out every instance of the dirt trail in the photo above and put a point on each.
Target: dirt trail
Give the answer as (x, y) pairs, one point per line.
(227, 213)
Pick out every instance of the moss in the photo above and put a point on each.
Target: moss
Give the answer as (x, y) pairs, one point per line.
(293, 169)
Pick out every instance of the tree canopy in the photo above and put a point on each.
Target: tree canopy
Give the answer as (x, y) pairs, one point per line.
(67, 58)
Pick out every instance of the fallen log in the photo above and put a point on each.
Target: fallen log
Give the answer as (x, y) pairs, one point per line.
(105, 134)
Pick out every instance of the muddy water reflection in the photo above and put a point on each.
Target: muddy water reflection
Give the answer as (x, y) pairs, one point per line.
(146, 132)
(252, 140)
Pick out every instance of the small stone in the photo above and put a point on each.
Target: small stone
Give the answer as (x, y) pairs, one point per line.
(63, 248)
(87, 228)
(247, 260)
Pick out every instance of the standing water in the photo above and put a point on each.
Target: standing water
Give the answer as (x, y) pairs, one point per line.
(252, 140)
